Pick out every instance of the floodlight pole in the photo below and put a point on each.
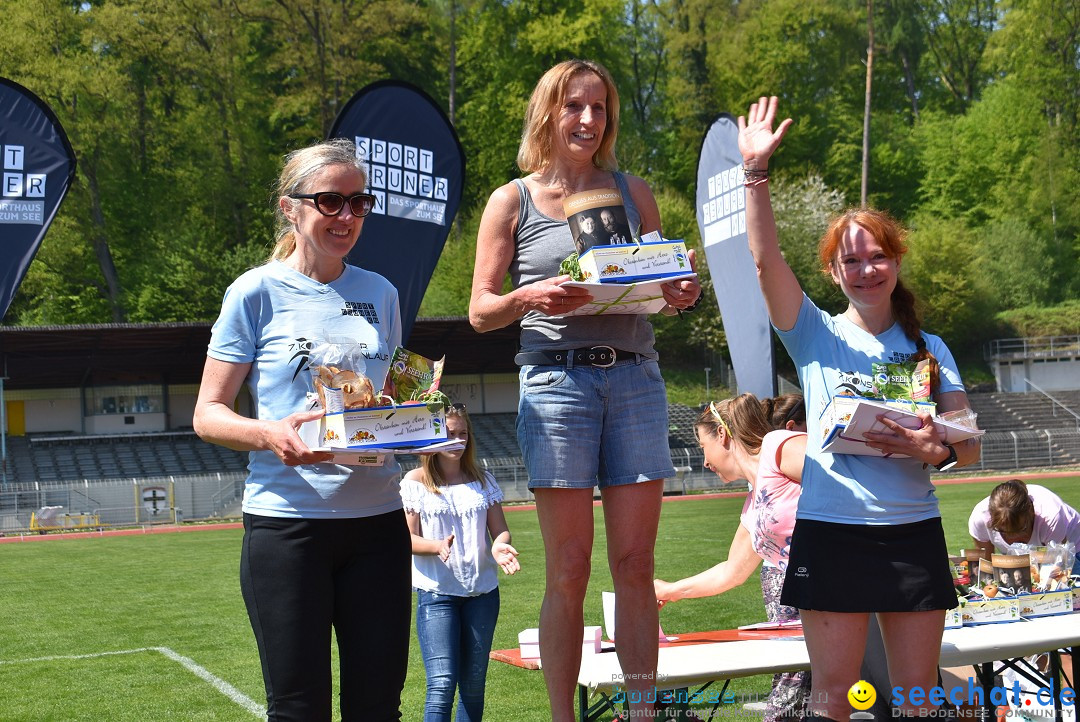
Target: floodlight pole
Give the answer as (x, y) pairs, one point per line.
(707, 397)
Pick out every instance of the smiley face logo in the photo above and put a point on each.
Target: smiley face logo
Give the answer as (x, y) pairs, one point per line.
(862, 695)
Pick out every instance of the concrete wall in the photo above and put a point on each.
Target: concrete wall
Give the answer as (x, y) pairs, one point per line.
(59, 411)
(1049, 374)
(52, 415)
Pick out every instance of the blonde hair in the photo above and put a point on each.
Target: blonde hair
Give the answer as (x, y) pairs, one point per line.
(742, 417)
(534, 153)
(430, 473)
(299, 168)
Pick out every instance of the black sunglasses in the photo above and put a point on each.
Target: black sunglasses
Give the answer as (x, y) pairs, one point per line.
(458, 407)
(330, 204)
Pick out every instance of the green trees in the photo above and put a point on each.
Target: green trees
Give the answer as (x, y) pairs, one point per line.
(179, 114)
(180, 111)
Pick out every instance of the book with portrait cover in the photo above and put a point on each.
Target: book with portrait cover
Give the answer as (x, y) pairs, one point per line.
(597, 218)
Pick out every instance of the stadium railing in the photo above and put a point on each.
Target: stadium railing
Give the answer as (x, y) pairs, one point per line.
(215, 495)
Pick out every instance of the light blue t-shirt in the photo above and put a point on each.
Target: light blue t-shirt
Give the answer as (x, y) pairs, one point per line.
(273, 317)
(834, 356)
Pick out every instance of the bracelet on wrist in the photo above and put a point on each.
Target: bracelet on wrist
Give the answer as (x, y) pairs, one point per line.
(692, 306)
(754, 176)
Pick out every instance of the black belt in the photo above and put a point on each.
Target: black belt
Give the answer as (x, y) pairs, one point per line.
(600, 356)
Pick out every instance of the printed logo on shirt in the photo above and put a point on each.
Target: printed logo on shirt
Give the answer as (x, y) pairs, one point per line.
(898, 357)
(852, 382)
(802, 572)
(301, 357)
(363, 309)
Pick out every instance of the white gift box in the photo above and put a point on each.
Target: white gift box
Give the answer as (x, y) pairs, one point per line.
(1042, 604)
(846, 418)
(384, 427)
(632, 262)
(529, 642)
(990, 611)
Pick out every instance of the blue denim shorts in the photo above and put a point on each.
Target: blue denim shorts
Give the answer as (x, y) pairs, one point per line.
(583, 426)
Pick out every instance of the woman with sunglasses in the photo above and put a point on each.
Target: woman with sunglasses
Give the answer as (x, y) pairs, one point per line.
(459, 541)
(326, 547)
(740, 442)
(593, 408)
(867, 514)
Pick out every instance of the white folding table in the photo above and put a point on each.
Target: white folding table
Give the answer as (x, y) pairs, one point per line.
(695, 661)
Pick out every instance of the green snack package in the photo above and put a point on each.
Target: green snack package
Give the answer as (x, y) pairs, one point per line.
(411, 377)
(907, 381)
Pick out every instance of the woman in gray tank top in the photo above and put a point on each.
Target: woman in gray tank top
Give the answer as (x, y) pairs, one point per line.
(592, 409)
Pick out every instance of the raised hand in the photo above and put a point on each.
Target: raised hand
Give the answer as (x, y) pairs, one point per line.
(757, 139)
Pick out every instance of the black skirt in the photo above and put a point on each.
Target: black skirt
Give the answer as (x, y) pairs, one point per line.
(864, 568)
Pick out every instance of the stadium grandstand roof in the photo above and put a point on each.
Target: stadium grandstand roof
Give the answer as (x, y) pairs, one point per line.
(34, 357)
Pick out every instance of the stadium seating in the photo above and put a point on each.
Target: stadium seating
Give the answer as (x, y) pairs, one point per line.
(1025, 412)
(68, 457)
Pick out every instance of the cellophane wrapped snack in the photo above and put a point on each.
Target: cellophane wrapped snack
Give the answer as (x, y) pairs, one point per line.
(964, 417)
(1051, 566)
(338, 375)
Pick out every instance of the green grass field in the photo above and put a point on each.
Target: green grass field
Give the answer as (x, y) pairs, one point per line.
(152, 627)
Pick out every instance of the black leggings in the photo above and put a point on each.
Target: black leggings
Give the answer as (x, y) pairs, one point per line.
(299, 578)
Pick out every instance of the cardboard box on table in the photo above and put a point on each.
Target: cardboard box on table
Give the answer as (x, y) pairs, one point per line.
(1012, 608)
(846, 418)
(990, 611)
(1042, 604)
(529, 642)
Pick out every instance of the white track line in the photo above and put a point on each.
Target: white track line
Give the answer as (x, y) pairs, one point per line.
(198, 670)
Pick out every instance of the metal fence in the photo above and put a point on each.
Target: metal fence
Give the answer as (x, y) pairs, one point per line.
(1005, 450)
(1002, 451)
(1036, 347)
(125, 502)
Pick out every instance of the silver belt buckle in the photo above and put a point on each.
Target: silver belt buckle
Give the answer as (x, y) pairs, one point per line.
(607, 365)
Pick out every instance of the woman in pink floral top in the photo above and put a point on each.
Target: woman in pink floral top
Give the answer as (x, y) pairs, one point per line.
(739, 443)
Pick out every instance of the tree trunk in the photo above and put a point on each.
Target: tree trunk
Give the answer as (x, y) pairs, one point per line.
(866, 108)
(100, 241)
(453, 59)
(909, 82)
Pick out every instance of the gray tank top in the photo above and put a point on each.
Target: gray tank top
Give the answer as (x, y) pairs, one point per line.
(541, 244)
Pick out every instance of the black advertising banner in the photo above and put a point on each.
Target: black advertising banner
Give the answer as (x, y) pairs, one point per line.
(37, 167)
(416, 169)
(721, 216)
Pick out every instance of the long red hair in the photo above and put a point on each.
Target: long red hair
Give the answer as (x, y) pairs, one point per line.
(892, 236)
